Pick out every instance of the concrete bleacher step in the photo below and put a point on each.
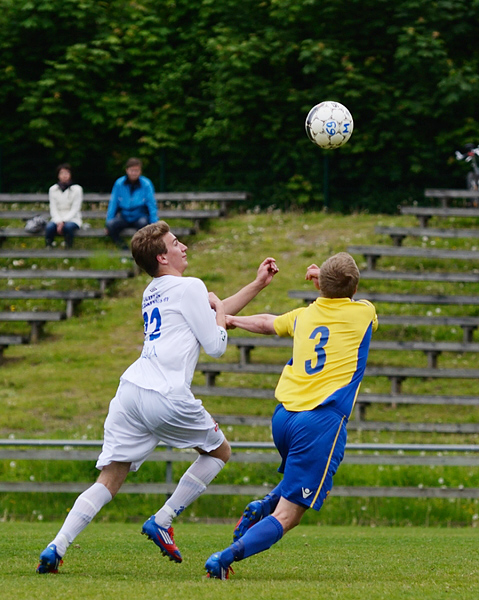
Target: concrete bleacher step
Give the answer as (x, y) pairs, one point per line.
(398, 234)
(104, 277)
(35, 319)
(373, 253)
(447, 194)
(193, 215)
(365, 398)
(72, 298)
(453, 277)
(225, 196)
(10, 340)
(91, 232)
(247, 344)
(396, 375)
(425, 213)
(358, 420)
(393, 298)
(467, 324)
(63, 253)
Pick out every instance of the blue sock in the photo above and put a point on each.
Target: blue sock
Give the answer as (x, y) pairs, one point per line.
(273, 497)
(258, 538)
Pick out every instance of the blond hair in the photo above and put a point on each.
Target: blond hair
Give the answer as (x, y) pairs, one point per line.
(339, 276)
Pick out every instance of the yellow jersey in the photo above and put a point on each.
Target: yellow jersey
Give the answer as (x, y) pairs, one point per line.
(330, 348)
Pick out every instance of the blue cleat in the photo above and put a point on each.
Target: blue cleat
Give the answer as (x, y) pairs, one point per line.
(50, 560)
(253, 513)
(215, 569)
(163, 538)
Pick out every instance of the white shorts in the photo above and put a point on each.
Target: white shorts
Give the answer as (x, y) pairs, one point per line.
(138, 419)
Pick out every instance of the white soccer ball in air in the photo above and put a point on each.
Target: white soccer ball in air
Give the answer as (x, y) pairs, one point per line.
(329, 124)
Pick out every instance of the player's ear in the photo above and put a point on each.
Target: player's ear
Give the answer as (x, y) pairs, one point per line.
(162, 259)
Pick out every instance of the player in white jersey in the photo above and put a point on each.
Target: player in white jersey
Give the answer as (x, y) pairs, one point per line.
(154, 402)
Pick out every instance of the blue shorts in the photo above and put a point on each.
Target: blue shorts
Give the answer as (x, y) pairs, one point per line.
(311, 444)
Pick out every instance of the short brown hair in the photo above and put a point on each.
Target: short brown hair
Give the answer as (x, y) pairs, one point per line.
(133, 162)
(147, 243)
(339, 276)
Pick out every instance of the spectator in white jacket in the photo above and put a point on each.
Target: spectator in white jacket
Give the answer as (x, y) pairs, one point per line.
(65, 199)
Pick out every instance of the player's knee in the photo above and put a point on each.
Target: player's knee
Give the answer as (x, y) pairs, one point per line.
(225, 452)
(113, 475)
(288, 514)
(287, 521)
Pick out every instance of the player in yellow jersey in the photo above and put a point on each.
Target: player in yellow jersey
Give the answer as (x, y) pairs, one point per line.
(316, 393)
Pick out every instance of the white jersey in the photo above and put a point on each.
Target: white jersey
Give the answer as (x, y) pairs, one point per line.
(178, 320)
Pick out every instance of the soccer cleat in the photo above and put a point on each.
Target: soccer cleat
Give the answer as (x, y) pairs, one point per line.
(50, 560)
(251, 515)
(254, 512)
(215, 569)
(163, 538)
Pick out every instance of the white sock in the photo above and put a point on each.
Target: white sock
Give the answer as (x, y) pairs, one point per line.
(193, 483)
(87, 505)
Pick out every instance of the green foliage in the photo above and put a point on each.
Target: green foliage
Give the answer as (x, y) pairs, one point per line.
(215, 94)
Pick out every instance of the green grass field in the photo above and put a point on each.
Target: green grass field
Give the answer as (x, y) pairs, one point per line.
(114, 562)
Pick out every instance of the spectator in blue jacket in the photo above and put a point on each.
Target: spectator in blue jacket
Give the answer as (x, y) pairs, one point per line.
(132, 203)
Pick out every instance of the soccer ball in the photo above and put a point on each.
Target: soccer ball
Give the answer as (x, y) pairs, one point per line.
(329, 124)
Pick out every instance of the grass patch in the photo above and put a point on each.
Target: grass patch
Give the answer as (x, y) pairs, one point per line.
(114, 562)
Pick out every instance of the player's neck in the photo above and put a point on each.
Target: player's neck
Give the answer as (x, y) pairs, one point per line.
(168, 270)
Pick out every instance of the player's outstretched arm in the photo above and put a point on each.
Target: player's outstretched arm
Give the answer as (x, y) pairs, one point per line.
(255, 323)
(266, 271)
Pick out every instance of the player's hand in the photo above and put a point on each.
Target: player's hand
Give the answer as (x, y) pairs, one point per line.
(312, 274)
(266, 271)
(229, 322)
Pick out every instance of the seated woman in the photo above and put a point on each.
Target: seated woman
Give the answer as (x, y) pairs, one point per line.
(65, 199)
